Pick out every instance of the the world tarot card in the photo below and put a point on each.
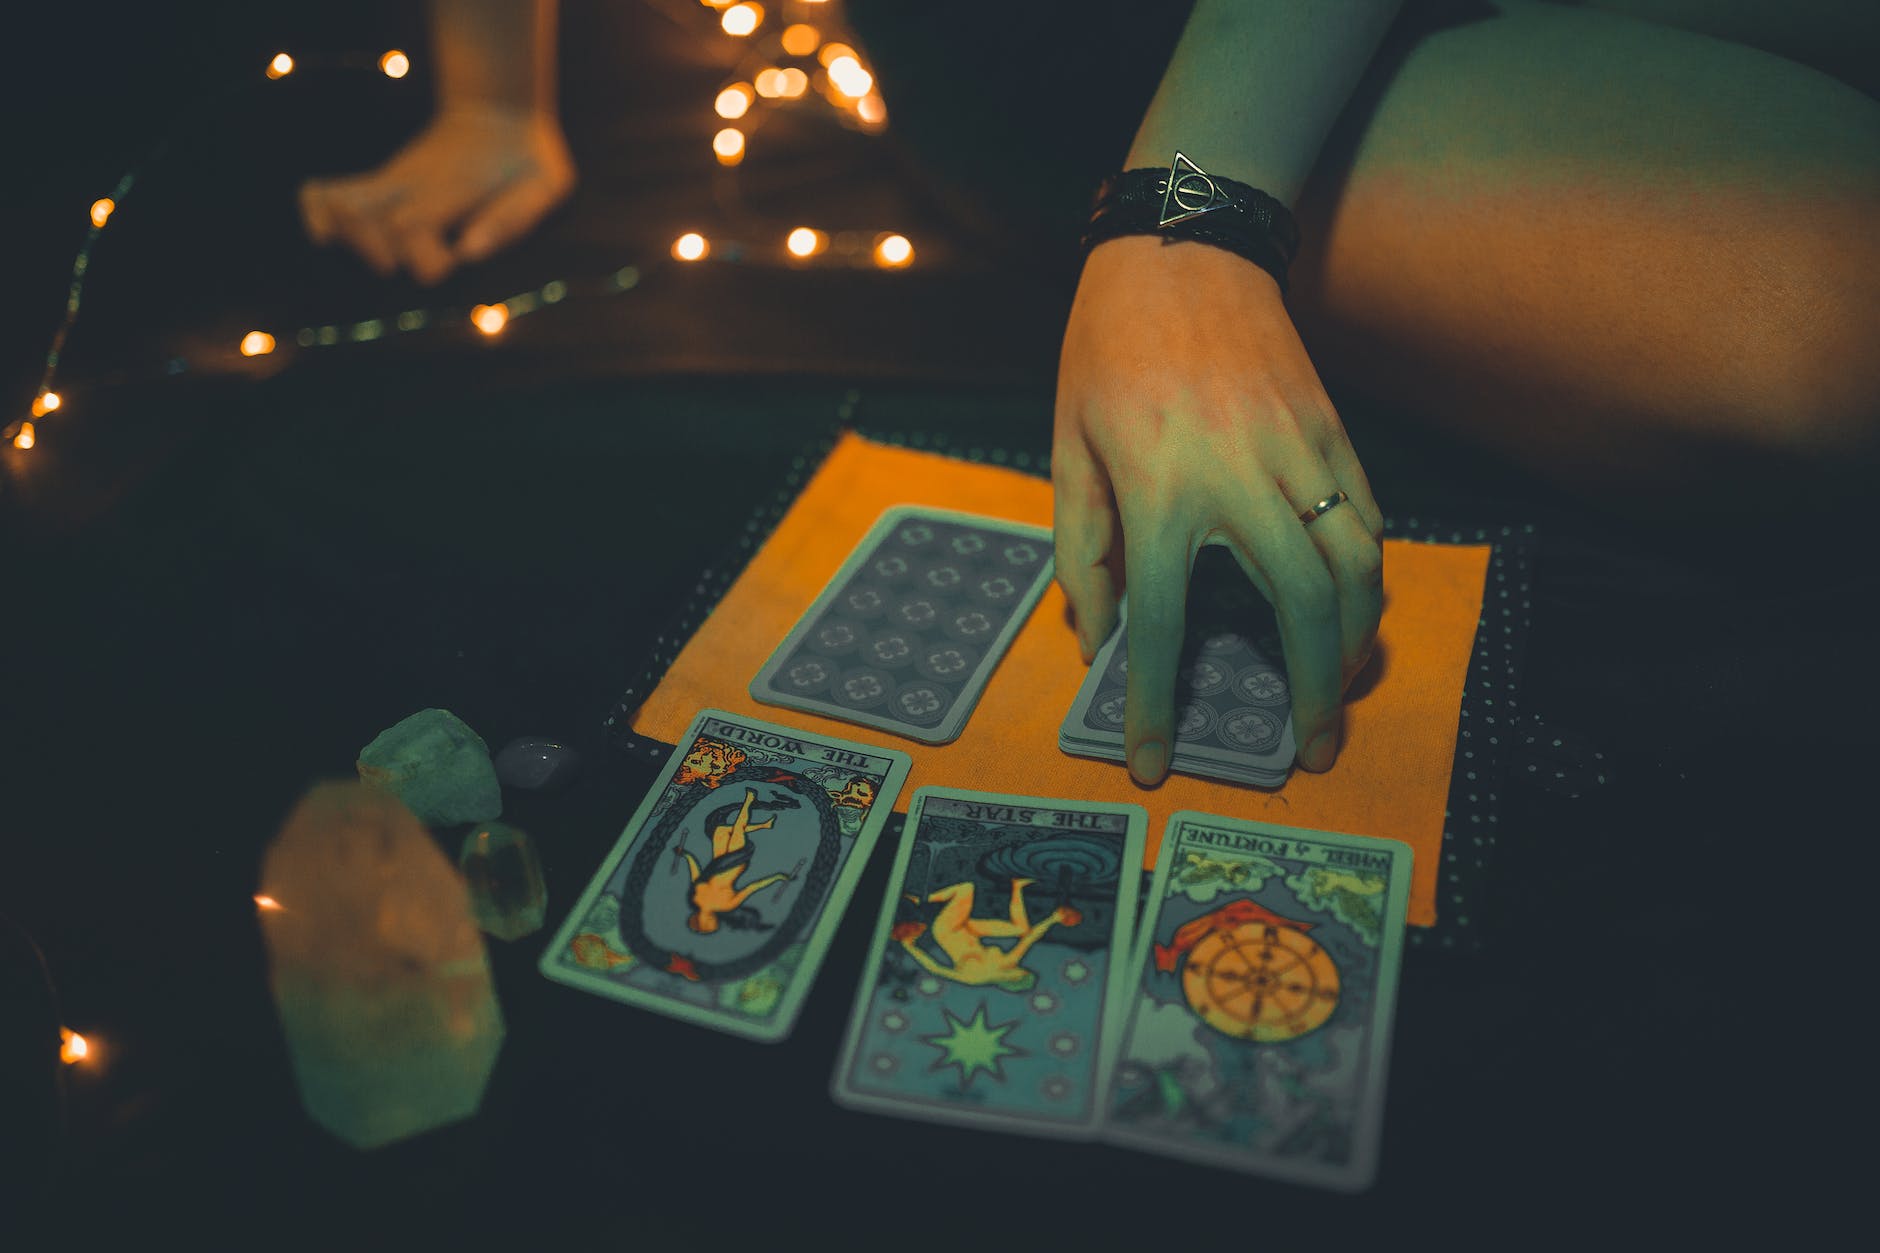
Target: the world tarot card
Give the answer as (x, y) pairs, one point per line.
(718, 901)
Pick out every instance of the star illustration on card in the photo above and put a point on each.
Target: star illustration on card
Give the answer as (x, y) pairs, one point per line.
(973, 1046)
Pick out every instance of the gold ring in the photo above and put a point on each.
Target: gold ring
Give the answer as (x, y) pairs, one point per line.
(1330, 502)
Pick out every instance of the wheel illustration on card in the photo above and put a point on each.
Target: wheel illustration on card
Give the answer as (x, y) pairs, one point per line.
(1251, 974)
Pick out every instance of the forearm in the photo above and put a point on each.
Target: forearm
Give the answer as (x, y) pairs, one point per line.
(495, 54)
(1255, 85)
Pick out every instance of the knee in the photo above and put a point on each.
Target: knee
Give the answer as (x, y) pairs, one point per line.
(1813, 379)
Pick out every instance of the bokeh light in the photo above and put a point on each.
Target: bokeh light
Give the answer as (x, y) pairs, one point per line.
(893, 252)
(264, 901)
(793, 82)
(281, 66)
(101, 210)
(73, 1047)
(801, 39)
(806, 241)
(872, 109)
(690, 246)
(742, 19)
(769, 83)
(490, 319)
(729, 145)
(25, 439)
(45, 403)
(395, 64)
(850, 78)
(257, 344)
(830, 51)
(733, 101)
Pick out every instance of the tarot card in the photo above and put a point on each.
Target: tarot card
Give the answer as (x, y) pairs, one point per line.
(719, 899)
(1256, 1028)
(1233, 702)
(907, 633)
(1000, 949)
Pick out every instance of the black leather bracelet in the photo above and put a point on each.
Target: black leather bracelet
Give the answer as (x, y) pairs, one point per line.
(1198, 206)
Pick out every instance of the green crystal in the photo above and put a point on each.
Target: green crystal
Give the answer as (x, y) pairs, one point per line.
(438, 766)
(504, 876)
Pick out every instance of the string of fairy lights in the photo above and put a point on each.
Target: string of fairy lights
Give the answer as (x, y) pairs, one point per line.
(780, 68)
(785, 64)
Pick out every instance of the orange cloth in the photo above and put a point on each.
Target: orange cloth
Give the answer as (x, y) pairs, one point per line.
(1392, 775)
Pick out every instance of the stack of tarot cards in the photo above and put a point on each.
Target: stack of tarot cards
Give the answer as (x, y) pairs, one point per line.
(1233, 707)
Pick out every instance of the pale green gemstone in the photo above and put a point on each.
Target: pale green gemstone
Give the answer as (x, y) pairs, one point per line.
(438, 766)
(504, 876)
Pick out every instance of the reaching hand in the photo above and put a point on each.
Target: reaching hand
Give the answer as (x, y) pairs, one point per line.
(1189, 414)
(471, 182)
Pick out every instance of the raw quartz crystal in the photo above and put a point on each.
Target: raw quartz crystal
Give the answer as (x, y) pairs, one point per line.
(504, 876)
(438, 766)
(377, 968)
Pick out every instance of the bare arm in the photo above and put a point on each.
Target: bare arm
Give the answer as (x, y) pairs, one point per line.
(1188, 412)
(489, 165)
(1255, 85)
(495, 53)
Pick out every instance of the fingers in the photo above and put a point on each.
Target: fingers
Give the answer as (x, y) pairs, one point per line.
(314, 214)
(507, 216)
(1084, 532)
(1158, 556)
(350, 212)
(1353, 550)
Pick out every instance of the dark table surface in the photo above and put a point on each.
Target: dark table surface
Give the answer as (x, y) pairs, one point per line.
(219, 585)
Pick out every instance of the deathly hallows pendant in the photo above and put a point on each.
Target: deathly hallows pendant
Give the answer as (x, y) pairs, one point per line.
(1189, 193)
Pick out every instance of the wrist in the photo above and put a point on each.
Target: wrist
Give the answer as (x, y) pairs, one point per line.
(1181, 202)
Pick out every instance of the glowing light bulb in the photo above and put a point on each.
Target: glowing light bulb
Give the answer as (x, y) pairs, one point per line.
(893, 252)
(101, 210)
(264, 901)
(45, 403)
(73, 1047)
(793, 82)
(729, 145)
(25, 439)
(734, 101)
(490, 319)
(690, 246)
(257, 344)
(806, 241)
(849, 77)
(872, 109)
(395, 64)
(742, 19)
(830, 51)
(281, 66)
(801, 39)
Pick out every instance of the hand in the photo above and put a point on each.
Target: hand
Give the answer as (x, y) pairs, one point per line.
(1189, 414)
(473, 181)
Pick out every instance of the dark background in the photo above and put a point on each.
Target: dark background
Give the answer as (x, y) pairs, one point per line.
(219, 579)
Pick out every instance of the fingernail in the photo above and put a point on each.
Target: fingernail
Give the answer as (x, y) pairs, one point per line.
(1150, 759)
(1321, 752)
